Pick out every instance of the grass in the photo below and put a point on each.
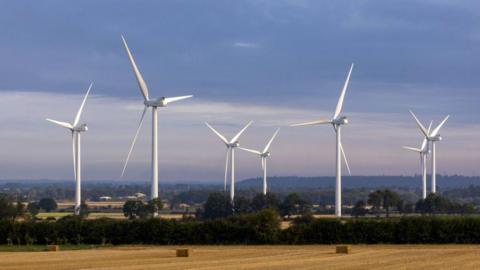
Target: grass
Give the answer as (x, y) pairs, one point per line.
(373, 257)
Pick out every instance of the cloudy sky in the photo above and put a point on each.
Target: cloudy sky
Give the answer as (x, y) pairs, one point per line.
(272, 61)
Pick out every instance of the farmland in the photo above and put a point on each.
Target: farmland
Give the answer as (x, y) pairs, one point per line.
(251, 257)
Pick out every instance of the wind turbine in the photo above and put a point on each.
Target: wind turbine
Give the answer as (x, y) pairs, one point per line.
(337, 121)
(423, 151)
(433, 137)
(231, 145)
(154, 104)
(76, 128)
(263, 156)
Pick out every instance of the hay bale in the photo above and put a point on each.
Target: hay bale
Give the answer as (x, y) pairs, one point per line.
(184, 252)
(346, 249)
(53, 248)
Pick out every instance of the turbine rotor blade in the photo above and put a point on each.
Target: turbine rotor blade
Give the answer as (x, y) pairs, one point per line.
(312, 123)
(226, 170)
(62, 124)
(437, 129)
(420, 125)
(251, 150)
(133, 141)
(345, 159)
(138, 75)
(271, 140)
(173, 99)
(338, 110)
(235, 138)
(74, 156)
(217, 133)
(412, 149)
(79, 113)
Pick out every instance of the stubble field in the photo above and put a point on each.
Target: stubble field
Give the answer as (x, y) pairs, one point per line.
(251, 257)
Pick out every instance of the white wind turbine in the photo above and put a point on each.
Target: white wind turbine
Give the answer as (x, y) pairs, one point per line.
(423, 151)
(337, 121)
(263, 156)
(433, 137)
(231, 145)
(154, 104)
(76, 128)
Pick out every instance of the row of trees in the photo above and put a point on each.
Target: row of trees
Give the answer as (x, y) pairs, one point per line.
(386, 200)
(218, 205)
(133, 209)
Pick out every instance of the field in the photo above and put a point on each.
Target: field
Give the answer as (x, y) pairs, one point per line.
(251, 257)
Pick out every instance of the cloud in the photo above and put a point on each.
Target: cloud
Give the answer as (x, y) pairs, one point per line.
(248, 45)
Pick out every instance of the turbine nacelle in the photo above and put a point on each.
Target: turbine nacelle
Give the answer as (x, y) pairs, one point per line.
(80, 128)
(233, 145)
(340, 121)
(266, 154)
(435, 138)
(159, 102)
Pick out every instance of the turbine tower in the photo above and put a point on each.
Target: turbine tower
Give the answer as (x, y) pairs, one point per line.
(154, 104)
(423, 151)
(337, 121)
(231, 145)
(433, 137)
(263, 156)
(76, 128)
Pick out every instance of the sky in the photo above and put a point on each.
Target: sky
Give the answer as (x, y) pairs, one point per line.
(276, 62)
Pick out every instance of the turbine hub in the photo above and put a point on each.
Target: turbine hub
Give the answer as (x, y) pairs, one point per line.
(159, 102)
(80, 128)
(340, 121)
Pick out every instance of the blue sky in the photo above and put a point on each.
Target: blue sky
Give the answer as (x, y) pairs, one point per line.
(275, 62)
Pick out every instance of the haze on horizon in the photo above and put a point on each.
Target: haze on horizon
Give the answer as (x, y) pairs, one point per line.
(274, 62)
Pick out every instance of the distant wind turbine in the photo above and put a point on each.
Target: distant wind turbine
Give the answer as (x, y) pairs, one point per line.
(76, 128)
(263, 156)
(231, 145)
(337, 121)
(154, 104)
(433, 137)
(423, 151)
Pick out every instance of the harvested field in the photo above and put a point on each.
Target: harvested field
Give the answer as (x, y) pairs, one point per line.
(251, 257)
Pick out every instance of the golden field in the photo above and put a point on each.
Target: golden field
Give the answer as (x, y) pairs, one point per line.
(251, 257)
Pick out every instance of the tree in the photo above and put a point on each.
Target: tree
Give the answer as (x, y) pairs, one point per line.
(375, 200)
(84, 211)
(7, 209)
(390, 199)
(33, 208)
(47, 204)
(130, 208)
(19, 209)
(217, 206)
(155, 205)
(261, 201)
(242, 205)
(293, 204)
(359, 209)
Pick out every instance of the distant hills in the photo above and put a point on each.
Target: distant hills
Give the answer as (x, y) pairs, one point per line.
(282, 183)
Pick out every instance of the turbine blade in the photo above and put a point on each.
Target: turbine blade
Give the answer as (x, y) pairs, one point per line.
(312, 123)
(345, 159)
(133, 141)
(270, 142)
(437, 129)
(424, 144)
(79, 113)
(420, 125)
(173, 99)
(217, 133)
(226, 170)
(235, 138)
(138, 75)
(62, 124)
(74, 155)
(412, 149)
(338, 110)
(430, 127)
(251, 150)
